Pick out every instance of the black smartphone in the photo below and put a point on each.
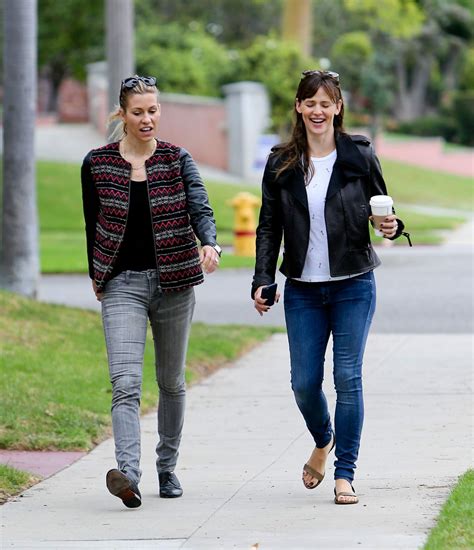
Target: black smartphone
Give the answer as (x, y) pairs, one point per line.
(268, 293)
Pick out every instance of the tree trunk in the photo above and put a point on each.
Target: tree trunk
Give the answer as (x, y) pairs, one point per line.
(374, 129)
(297, 23)
(402, 98)
(449, 69)
(119, 20)
(412, 97)
(19, 258)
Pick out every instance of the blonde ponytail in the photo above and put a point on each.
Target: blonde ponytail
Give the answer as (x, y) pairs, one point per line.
(115, 125)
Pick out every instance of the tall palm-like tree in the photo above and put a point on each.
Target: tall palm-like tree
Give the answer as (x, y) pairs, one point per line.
(297, 23)
(19, 259)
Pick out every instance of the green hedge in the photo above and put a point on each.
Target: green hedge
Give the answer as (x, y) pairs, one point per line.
(455, 124)
(463, 114)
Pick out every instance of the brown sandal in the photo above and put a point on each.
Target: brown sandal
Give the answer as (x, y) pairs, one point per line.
(314, 473)
(345, 494)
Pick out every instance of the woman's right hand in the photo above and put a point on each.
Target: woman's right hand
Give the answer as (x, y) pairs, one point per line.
(99, 294)
(259, 303)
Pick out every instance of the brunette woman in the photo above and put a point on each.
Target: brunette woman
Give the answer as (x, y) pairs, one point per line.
(315, 195)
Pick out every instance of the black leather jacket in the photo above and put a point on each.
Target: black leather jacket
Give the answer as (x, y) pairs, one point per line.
(284, 213)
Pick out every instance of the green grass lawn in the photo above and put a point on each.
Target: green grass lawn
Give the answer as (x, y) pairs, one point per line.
(62, 239)
(423, 228)
(413, 185)
(454, 528)
(14, 481)
(54, 379)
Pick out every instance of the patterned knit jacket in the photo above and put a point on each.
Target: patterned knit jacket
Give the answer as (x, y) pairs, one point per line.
(106, 178)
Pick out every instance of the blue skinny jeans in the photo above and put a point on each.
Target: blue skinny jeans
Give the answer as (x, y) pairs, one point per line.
(313, 311)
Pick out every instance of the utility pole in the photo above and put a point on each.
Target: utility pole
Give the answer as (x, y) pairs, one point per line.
(19, 250)
(119, 21)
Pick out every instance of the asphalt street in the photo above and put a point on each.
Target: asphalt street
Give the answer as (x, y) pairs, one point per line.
(419, 290)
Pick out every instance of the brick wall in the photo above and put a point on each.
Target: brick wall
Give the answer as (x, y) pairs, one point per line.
(72, 101)
(197, 124)
(221, 133)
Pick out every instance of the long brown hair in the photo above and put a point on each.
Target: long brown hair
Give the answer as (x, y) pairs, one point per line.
(296, 150)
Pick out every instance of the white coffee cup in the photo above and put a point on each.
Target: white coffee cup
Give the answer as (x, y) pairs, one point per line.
(381, 206)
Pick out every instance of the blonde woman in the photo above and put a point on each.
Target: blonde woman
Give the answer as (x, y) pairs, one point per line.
(144, 205)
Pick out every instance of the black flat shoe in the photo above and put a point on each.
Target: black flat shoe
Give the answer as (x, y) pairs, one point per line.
(120, 486)
(169, 485)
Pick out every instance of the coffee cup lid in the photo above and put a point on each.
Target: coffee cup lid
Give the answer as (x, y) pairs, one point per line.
(381, 200)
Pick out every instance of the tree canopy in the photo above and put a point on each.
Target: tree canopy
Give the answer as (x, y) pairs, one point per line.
(403, 58)
(70, 35)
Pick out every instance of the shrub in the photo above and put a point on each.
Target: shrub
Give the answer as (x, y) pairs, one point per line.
(429, 126)
(184, 59)
(350, 53)
(463, 114)
(466, 77)
(455, 123)
(278, 65)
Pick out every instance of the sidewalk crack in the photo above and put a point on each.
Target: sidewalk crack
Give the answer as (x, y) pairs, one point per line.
(237, 491)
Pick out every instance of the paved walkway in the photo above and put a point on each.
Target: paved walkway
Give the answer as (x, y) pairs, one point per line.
(243, 448)
(428, 153)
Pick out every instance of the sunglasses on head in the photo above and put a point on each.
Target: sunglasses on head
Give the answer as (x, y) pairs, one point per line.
(131, 82)
(323, 74)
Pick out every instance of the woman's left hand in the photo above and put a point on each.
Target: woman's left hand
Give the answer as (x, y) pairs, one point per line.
(209, 258)
(389, 226)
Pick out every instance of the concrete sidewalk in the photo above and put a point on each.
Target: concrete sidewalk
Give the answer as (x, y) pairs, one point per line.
(241, 458)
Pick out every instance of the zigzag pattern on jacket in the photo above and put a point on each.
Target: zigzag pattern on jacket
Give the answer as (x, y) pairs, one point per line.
(175, 243)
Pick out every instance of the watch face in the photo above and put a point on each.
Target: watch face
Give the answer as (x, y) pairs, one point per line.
(218, 249)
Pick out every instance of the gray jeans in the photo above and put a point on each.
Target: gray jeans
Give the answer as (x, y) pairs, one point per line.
(130, 299)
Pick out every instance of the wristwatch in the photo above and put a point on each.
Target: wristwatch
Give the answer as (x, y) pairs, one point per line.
(217, 248)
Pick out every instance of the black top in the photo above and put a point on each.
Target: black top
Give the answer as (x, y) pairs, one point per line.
(136, 252)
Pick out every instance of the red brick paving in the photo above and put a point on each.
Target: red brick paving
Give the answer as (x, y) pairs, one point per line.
(427, 153)
(42, 463)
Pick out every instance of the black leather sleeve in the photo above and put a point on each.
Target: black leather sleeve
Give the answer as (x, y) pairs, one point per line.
(90, 205)
(269, 230)
(200, 211)
(378, 187)
(377, 183)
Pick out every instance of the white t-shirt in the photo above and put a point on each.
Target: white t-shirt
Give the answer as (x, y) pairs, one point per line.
(316, 266)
